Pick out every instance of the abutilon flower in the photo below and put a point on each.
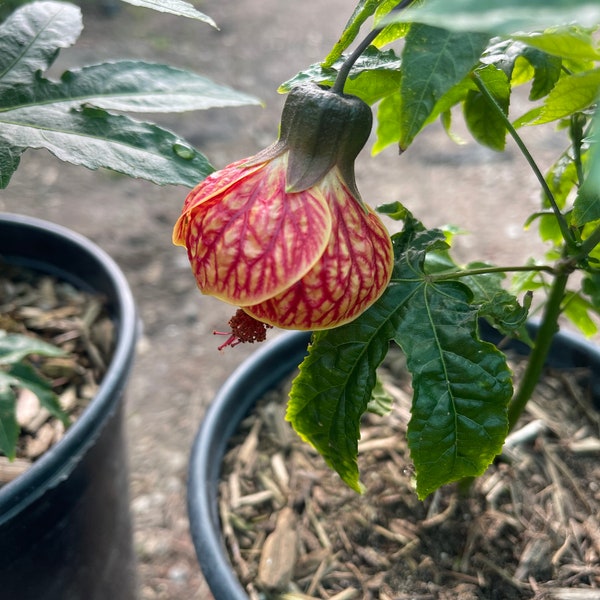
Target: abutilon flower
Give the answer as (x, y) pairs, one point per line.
(284, 234)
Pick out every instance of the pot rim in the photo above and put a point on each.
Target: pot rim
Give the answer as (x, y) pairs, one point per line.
(56, 464)
(255, 376)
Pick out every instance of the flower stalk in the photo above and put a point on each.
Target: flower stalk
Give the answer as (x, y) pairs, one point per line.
(342, 76)
(562, 223)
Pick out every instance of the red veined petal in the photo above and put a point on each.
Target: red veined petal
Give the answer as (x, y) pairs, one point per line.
(215, 183)
(253, 240)
(352, 273)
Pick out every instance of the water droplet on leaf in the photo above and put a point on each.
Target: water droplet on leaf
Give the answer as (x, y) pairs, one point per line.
(183, 151)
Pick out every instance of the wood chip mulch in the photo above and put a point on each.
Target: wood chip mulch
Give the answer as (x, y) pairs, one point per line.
(39, 305)
(529, 529)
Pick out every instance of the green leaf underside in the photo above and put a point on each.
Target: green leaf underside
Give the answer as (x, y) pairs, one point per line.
(95, 139)
(381, 401)
(501, 17)
(174, 7)
(132, 86)
(462, 385)
(483, 121)
(30, 37)
(9, 161)
(69, 117)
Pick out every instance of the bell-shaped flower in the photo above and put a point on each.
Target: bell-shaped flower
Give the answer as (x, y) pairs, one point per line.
(284, 234)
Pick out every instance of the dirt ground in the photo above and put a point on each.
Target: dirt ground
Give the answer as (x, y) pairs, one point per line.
(260, 44)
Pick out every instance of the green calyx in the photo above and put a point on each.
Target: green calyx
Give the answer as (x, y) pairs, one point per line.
(321, 129)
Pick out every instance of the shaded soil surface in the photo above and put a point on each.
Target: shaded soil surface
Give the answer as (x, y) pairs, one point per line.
(178, 369)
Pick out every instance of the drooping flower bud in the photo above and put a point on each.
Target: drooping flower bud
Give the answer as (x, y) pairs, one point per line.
(320, 129)
(284, 234)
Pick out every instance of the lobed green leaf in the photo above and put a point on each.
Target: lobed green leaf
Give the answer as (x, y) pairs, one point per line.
(571, 94)
(521, 63)
(483, 121)
(375, 75)
(568, 42)
(546, 72)
(590, 286)
(433, 61)
(364, 9)
(462, 385)
(335, 384)
(577, 309)
(15, 347)
(587, 203)
(27, 377)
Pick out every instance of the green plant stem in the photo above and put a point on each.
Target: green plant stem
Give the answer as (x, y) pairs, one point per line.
(576, 133)
(539, 353)
(562, 223)
(342, 76)
(487, 270)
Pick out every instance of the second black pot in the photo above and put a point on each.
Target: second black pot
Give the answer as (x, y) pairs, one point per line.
(264, 371)
(65, 529)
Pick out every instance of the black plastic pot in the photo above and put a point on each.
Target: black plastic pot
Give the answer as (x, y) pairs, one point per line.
(65, 529)
(262, 372)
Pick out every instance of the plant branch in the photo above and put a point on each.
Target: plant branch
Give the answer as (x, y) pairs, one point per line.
(564, 228)
(340, 80)
(487, 270)
(541, 347)
(576, 133)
